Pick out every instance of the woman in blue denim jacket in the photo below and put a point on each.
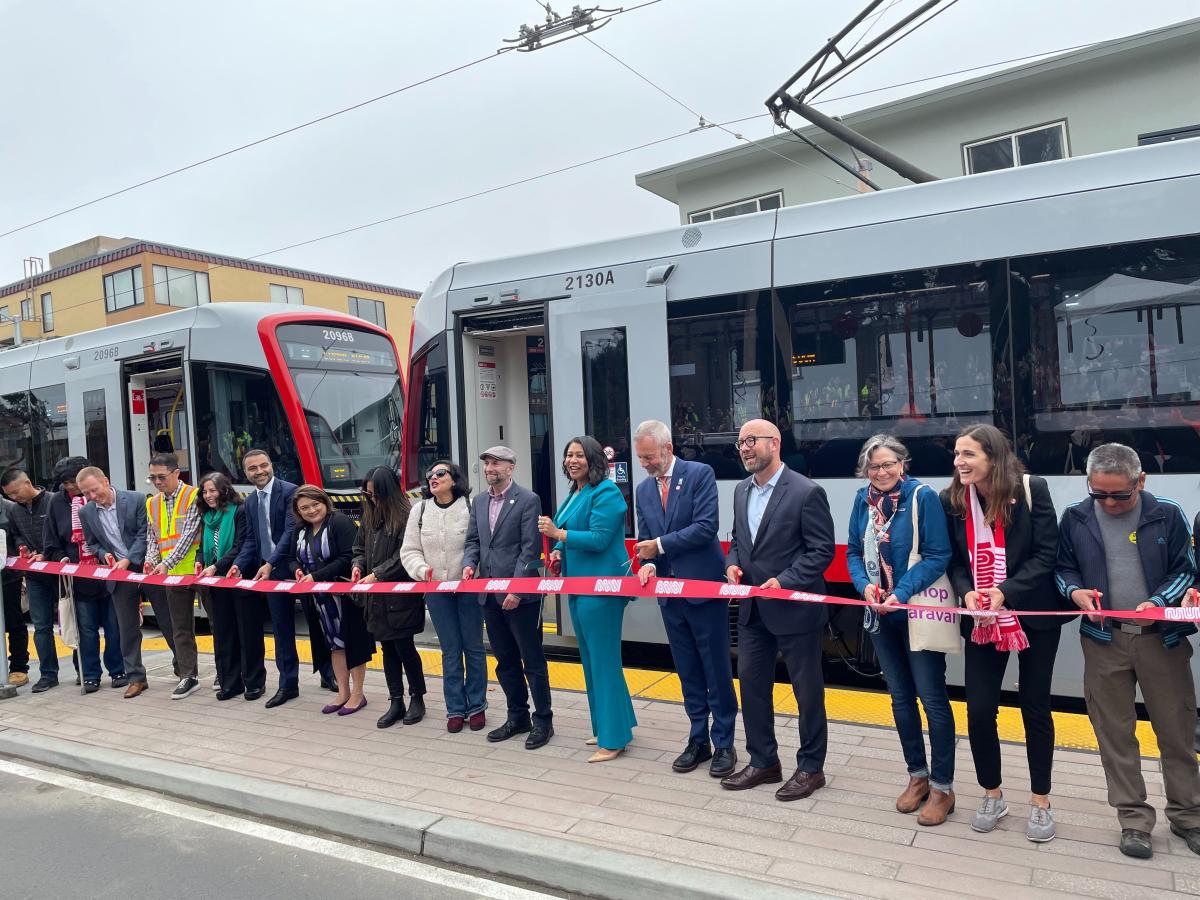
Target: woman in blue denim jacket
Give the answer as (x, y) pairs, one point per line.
(877, 552)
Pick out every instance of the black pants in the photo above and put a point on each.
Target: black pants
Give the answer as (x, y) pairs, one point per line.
(14, 625)
(516, 639)
(758, 648)
(237, 628)
(984, 679)
(400, 660)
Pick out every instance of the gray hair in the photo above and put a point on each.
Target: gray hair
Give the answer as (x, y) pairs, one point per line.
(1114, 459)
(880, 442)
(655, 429)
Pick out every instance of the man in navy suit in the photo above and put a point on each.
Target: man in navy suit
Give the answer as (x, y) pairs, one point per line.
(677, 514)
(269, 533)
(782, 538)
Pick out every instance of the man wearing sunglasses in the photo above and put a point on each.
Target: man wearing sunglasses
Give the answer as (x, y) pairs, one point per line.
(1125, 550)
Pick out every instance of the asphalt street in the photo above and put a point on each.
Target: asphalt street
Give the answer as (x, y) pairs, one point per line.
(67, 837)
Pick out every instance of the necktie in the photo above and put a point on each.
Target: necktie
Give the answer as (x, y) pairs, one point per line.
(264, 525)
(664, 488)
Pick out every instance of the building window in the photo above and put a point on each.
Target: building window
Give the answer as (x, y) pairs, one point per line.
(1171, 134)
(4, 316)
(183, 288)
(124, 289)
(27, 310)
(1018, 148)
(741, 208)
(285, 293)
(47, 312)
(371, 310)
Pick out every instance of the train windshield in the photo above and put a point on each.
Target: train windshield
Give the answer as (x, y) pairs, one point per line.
(349, 386)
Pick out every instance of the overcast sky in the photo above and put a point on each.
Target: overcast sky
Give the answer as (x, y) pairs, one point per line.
(96, 96)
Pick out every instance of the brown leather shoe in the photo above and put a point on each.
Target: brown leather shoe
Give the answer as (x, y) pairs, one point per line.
(916, 792)
(751, 777)
(939, 805)
(801, 785)
(135, 688)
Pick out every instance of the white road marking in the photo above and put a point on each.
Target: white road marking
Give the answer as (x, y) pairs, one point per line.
(398, 865)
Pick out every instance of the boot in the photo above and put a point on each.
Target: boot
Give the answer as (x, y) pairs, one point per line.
(393, 715)
(416, 710)
(939, 805)
(914, 794)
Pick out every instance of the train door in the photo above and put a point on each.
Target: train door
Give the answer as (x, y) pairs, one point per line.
(158, 414)
(609, 360)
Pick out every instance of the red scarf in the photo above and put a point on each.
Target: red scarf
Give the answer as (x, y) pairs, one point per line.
(988, 569)
(77, 503)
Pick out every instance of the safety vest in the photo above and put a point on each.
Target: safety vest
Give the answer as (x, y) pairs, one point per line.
(166, 524)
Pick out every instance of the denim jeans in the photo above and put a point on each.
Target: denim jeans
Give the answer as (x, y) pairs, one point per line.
(43, 604)
(459, 623)
(917, 675)
(94, 613)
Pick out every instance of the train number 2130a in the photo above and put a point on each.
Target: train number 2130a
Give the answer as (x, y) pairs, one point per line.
(589, 280)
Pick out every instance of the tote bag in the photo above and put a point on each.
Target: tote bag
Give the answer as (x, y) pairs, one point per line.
(930, 629)
(68, 625)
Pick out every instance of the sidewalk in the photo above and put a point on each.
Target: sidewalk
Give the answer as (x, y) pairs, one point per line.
(846, 840)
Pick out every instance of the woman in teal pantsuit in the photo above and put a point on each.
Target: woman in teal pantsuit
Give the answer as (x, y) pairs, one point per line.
(589, 529)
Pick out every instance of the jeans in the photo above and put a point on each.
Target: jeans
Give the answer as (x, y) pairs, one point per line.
(911, 676)
(459, 623)
(43, 604)
(94, 613)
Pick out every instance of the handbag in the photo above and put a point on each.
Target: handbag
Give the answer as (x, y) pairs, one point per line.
(68, 625)
(930, 629)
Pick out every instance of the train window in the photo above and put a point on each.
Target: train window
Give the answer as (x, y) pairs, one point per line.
(48, 421)
(16, 437)
(721, 374)
(1108, 353)
(908, 353)
(427, 434)
(180, 287)
(237, 410)
(95, 428)
(124, 289)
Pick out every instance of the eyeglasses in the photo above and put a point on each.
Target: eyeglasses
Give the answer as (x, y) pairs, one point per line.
(751, 440)
(1118, 496)
(440, 473)
(883, 466)
(157, 478)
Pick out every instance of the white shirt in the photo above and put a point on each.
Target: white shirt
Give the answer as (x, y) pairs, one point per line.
(757, 499)
(264, 498)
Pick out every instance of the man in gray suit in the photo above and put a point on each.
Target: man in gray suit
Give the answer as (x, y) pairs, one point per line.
(114, 529)
(782, 538)
(503, 542)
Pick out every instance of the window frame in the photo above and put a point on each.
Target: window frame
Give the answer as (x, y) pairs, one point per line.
(138, 292)
(757, 199)
(47, 304)
(1012, 137)
(168, 277)
(287, 293)
(354, 307)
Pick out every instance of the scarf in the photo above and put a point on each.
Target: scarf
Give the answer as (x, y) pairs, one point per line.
(218, 531)
(989, 568)
(877, 546)
(88, 559)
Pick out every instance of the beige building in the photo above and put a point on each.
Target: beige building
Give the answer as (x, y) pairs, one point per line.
(105, 281)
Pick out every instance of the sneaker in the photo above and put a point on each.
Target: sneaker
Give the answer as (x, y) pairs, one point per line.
(992, 811)
(216, 685)
(120, 681)
(90, 687)
(44, 684)
(1041, 825)
(186, 687)
(1136, 843)
(18, 679)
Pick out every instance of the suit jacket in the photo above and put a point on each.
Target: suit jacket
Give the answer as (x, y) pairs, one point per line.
(595, 524)
(687, 529)
(131, 513)
(795, 544)
(283, 529)
(514, 548)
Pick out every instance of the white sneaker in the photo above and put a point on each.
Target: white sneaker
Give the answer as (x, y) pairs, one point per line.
(216, 685)
(186, 687)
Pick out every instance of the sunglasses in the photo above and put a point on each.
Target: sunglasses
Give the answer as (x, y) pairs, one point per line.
(440, 473)
(1119, 496)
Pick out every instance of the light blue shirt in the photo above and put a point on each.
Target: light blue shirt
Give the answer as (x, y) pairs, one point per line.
(757, 500)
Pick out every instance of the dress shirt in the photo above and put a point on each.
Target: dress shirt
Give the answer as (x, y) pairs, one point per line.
(757, 500)
(111, 523)
(266, 542)
(495, 504)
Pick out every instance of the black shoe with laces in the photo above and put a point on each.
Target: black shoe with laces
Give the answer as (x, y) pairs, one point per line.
(694, 754)
(90, 687)
(44, 684)
(120, 681)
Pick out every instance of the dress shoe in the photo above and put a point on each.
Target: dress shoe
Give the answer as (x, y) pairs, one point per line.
(90, 687)
(120, 681)
(723, 761)
(394, 714)
(507, 730)
(229, 694)
(591, 742)
(44, 684)
(914, 795)
(454, 724)
(416, 710)
(539, 737)
(477, 721)
(328, 685)
(18, 679)
(800, 785)
(254, 693)
(282, 696)
(691, 757)
(603, 754)
(752, 777)
(135, 688)
(351, 710)
(332, 707)
(937, 808)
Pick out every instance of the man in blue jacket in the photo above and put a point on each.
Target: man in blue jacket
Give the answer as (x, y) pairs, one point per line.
(677, 515)
(1123, 549)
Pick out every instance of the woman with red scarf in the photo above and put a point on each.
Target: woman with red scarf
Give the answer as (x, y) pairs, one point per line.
(1004, 542)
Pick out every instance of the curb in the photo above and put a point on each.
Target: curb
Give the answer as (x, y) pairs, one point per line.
(542, 859)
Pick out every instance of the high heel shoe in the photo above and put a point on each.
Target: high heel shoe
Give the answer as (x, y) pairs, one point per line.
(605, 755)
(351, 710)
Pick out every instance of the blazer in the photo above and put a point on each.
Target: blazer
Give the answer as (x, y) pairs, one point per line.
(795, 544)
(204, 553)
(283, 529)
(514, 549)
(131, 512)
(1030, 554)
(687, 528)
(595, 526)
